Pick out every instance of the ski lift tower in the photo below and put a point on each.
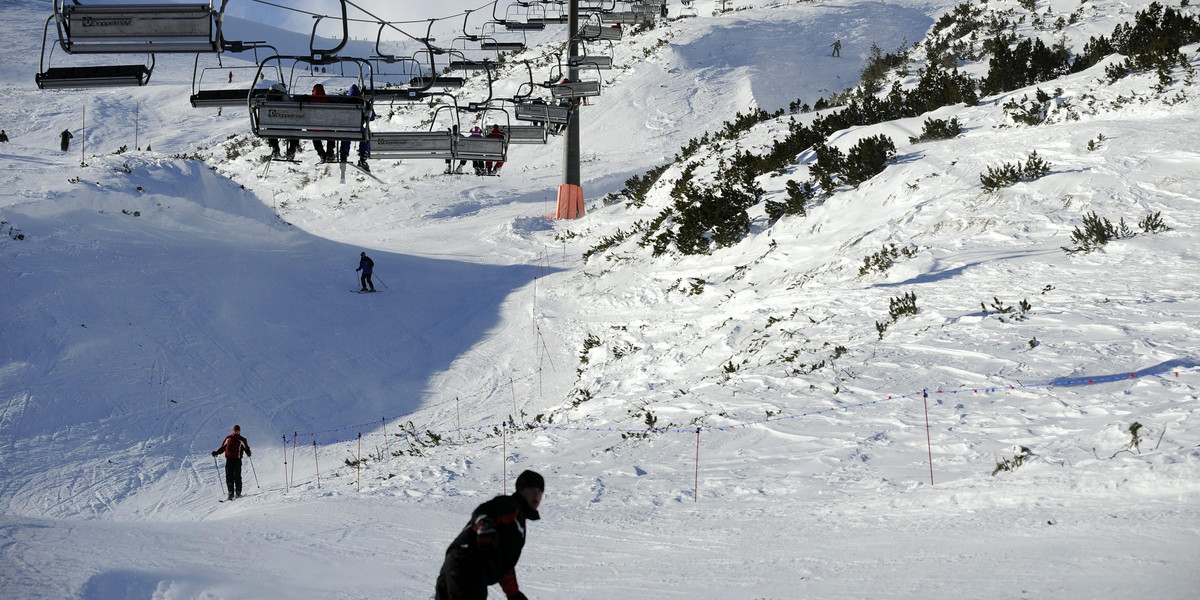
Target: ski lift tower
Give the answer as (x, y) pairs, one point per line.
(570, 192)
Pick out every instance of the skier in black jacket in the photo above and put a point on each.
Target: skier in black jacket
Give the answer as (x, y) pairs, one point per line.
(487, 550)
(366, 265)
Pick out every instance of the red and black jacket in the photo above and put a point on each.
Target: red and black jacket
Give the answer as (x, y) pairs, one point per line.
(491, 543)
(234, 445)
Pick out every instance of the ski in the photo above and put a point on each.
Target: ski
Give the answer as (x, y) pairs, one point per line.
(366, 172)
(366, 292)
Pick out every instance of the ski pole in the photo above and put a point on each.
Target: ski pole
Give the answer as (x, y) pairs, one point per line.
(385, 286)
(251, 457)
(222, 484)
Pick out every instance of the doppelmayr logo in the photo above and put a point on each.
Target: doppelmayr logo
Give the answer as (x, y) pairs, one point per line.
(94, 22)
(277, 113)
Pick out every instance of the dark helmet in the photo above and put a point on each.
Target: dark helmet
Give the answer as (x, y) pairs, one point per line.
(530, 479)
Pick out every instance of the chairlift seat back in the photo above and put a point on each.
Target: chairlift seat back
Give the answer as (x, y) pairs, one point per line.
(501, 46)
(520, 26)
(469, 65)
(437, 82)
(226, 97)
(576, 89)
(620, 17)
(300, 118)
(136, 28)
(92, 77)
(549, 20)
(543, 113)
(593, 62)
(600, 32)
(524, 134)
(398, 94)
(480, 148)
(412, 144)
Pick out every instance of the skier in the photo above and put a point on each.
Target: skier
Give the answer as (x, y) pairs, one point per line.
(450, 163)
(494, 169)
(324, 148)
(279, 92)
(231, 77)
(233, 447)
(488, 548)
(3, 136)
(477, 164)
(837, 48)
(364, 147)
(366, 265)
(66, 139)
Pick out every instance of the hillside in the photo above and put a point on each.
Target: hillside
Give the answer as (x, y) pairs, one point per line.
(745, 419)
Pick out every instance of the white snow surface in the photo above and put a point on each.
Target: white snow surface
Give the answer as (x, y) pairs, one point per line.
(159, 296)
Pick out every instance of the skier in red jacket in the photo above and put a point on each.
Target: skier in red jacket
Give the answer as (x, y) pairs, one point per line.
(233, 447)
(490, 167)
(488, 548)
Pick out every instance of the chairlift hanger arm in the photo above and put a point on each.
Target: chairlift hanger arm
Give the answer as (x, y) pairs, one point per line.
(312, 41)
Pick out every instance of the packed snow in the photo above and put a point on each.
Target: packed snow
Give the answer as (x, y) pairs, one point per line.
(730, 425)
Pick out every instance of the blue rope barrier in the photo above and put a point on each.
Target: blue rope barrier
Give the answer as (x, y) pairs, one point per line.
(1082, 381)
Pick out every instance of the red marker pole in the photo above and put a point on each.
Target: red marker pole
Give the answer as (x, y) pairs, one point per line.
(317, 463)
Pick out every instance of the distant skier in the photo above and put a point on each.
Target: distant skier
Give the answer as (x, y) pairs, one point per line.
(233, 447)
(66, 139)
(231, 77)
(366, 265)
(488, 548)
(837, 48)
(3, 136)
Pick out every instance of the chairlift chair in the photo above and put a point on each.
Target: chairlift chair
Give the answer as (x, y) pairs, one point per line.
(431, 77)
(591, 60)
(517, 16)
(481, 148)
(307, 117)
(138, 28)
(554, 12)
(539, 111)
(432, 144)
(565, 89)
(88, 76)
(596, 29)
(536, 110)
(218, 96)
(493, 44)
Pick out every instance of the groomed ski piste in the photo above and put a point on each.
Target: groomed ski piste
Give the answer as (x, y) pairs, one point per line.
(751, 423)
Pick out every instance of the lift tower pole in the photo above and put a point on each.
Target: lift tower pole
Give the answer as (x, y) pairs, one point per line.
(571, 147)
(570, 193)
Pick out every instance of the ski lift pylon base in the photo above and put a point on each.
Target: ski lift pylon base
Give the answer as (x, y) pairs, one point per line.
(570, 201)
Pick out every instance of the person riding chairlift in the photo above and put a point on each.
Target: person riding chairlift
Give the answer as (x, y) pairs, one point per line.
(494, 169)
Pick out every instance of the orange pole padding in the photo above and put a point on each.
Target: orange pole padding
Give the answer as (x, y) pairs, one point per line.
(570, 201)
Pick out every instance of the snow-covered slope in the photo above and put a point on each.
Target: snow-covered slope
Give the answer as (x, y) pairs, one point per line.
(728, 425)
